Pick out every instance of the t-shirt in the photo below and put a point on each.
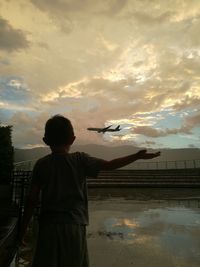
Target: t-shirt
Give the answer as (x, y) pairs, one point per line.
(63, 183)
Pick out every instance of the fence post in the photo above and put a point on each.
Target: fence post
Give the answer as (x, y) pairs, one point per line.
(185, 165)
(175, 164)
(194, 163)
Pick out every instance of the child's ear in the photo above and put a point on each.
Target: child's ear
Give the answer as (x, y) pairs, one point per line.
(44, 140)
(72, 140)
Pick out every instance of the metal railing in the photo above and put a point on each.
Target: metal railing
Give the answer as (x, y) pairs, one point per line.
(24, 165)
(20, 187)
(138, 165)
(157, 165)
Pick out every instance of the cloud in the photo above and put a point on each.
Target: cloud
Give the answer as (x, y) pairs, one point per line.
(149, 19)
(60, 7)
(110, 100)
(99, 99)
(11, 39)
(4, 62)
(187, 103)
(43, 45)
(68, 15)
(59, 11)
(193, 121)
(27, 130)
(114, 7)
(64, 8)
(154, 132)
(121, 61)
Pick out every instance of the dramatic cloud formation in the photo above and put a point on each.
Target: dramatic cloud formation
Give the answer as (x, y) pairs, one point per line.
(11, 39)
(133, 63)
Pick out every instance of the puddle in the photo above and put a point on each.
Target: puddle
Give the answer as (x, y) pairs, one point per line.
(157, 232)
(164, 221)
(160, 228)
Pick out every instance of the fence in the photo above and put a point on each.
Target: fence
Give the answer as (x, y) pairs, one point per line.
(24, 165)
(143, 165)
(20, 186)
(157, 165)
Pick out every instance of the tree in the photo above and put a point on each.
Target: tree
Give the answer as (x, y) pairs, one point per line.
(6, 154)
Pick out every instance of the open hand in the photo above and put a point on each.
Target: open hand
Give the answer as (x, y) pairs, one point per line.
(142, 154)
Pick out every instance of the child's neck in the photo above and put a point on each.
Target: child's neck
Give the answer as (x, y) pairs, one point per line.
(60, 149)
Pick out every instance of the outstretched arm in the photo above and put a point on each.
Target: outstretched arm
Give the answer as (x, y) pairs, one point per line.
(121, 162)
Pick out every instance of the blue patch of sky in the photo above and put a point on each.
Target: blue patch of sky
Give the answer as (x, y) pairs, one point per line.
(5, 115)
(164, 119)
(169, 120)
(14, 90)
(196, 132)
(176, 141)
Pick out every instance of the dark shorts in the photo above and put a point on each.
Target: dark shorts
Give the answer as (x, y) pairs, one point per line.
(61, 245)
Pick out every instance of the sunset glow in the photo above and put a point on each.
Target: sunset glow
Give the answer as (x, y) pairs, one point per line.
(133, 63)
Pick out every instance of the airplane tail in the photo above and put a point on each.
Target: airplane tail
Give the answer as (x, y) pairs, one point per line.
(117, 128)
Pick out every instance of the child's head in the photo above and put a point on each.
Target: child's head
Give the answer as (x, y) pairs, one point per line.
(58, 132)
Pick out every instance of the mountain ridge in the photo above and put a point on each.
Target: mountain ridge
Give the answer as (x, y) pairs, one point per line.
(108, 152)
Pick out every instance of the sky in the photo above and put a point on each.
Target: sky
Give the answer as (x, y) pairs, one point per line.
(102, 62)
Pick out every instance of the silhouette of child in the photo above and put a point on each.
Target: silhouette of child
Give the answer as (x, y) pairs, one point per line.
(61, 177)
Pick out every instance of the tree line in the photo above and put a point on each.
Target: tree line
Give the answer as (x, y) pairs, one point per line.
(6, 154)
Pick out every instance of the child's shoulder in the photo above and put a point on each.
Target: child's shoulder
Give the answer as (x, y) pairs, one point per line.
(78, 155)
(42, 160)
(74, 156)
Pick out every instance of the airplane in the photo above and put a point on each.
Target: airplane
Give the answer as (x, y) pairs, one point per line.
(106, 129)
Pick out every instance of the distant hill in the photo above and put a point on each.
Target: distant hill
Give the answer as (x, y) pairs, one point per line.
(30, 154)
(107, 152)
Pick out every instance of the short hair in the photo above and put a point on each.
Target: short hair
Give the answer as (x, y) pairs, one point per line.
(58, 131)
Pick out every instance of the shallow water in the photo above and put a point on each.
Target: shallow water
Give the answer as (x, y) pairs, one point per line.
(145, 233)
(142, 228)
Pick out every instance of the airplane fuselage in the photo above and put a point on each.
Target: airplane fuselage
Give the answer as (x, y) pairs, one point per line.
(106, 129)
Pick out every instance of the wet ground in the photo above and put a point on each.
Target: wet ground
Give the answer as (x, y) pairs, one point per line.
(143, 228)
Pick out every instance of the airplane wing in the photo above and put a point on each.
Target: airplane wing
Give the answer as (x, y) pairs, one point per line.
(118, 128)
(106, 128)
(115, 130)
